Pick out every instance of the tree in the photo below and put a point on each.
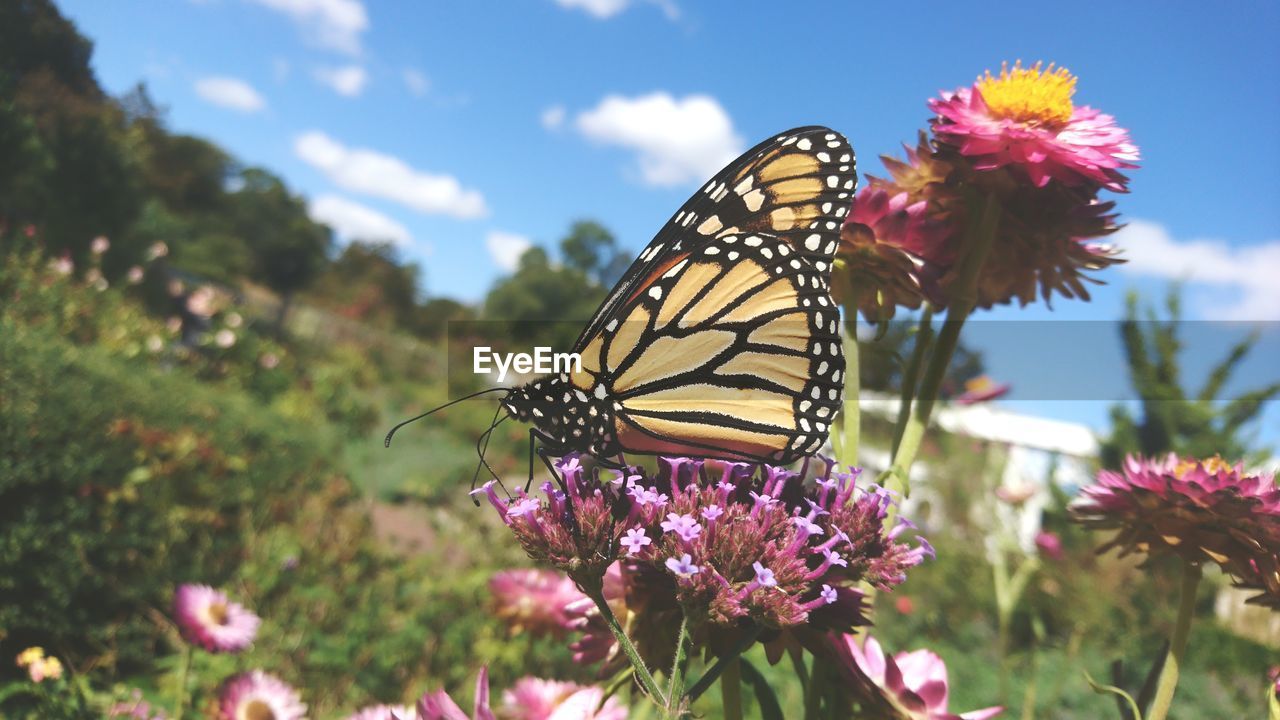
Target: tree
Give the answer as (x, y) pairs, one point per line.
(367, 282)
(543, 303)
(288, 249)
(592, 249)
(1173, 419)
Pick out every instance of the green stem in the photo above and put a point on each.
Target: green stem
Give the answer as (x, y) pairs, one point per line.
(731, 690)
(851, 415)
(1177, 644)
(645, 677)
(813, 693)
(183, 670)
(911, 377)
(676, 687)
(964, 298)
(721, 664)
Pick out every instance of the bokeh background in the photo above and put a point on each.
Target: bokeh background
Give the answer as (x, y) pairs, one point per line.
(299, 199)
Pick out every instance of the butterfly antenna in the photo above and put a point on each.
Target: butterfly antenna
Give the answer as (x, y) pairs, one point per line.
(482, 446)
(387, 441)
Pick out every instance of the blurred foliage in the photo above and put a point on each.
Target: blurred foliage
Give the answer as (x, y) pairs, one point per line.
(1174, 418)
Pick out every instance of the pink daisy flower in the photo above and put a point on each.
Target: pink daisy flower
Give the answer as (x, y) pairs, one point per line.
(1198, 510)
(1024, 118)
(259, 695)
(982, 389)
(537, 699)
(208, 619)
(534, 600)
(912, 683)
(439, 706)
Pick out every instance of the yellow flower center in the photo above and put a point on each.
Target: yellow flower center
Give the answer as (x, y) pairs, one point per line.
(218, 613)
(257, 710)
(1029, 95)
(1213, 466)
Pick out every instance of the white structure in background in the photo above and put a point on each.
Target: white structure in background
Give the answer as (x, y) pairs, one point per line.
(1039, 451)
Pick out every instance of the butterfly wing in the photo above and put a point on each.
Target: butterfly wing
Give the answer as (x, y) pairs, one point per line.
(796, 186)
(732, 352)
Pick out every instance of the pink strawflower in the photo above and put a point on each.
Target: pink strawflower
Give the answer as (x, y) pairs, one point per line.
(1049, 544)
(135, 275)
(537, 699)
(99, 245)
(63, 265)
(1015, 494)
(1200, 511)
(385, 712)
(982, 389)
(439, 706)
(208, 619)
(534, 601)
(256, 694)
(1025, 119)
(913, 684)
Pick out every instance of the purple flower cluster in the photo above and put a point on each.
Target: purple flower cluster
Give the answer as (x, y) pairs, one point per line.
(730, 541)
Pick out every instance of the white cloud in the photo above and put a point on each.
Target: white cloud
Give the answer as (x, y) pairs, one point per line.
(605, 9)
(678, 141)
(230, 93)
(353, 221)
(348, 81)
(417, 81)
(506, 248)
(1249, 271)
(374, 173)
(331, 24)
(553, 117)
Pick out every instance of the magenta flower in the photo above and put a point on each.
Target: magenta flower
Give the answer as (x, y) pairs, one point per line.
(982, 389)
(1049, 544)
(1198, 510)
(385, 712)
(439, 706)
(207, 618)
(257, 694)
(1025, 119)
(914, 684)
(537, 699)
(534, 601)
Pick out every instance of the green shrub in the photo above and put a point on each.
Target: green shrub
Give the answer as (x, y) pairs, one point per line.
(119, 481)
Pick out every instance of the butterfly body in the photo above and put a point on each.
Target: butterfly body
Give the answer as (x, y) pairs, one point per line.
(722, 339)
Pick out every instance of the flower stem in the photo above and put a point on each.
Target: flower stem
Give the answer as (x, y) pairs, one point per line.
(911, 377)
(645, 677)
(1177, 644)
(851, 414)
(676, 687)
(964, 298)
(183, 670)
(731, 690)
(713, 673)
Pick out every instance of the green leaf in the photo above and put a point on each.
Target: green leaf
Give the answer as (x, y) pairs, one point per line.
(765, 697)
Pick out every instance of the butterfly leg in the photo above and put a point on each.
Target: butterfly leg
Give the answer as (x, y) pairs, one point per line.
(544, 446)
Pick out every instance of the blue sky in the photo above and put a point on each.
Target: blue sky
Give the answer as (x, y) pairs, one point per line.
(466, 130)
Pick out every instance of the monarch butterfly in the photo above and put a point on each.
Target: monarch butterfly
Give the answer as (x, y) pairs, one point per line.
(721, 340)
